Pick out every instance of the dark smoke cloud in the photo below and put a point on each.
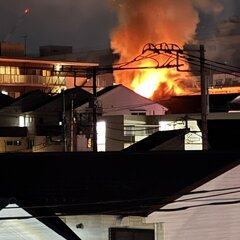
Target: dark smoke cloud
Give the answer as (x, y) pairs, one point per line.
(221, 28)
(212, 13)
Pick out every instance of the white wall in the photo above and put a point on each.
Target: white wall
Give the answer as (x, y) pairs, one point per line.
(96, 227)
(216, 222)
(123, 101)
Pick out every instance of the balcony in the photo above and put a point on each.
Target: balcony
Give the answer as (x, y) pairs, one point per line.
(31, 80)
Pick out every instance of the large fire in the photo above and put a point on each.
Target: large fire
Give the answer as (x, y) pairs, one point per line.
(156, 83)
(153, 21)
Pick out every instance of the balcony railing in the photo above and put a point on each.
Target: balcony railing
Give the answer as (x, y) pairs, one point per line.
(31, 80)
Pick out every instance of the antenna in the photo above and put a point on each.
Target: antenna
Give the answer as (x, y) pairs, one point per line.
(19, 21)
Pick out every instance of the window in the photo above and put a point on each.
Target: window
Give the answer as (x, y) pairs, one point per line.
(101, 136)
(130, 234)
(138, 113)
(21, 121)
(89, 143)
(14, 143)
(8, 70)
(15, 71)
(46, 73)
(2, 70)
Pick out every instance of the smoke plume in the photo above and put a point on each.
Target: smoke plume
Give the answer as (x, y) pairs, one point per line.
(209, 6)
(154, 21)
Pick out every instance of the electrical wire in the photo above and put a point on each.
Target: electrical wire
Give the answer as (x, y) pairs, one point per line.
(186, 60)
(159, 198)
(197, 206)
(206, 65)
(126, 209)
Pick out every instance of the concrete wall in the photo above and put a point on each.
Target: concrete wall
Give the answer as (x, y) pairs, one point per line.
(96, 227)
(43, 144)
(13, 144)
(212, 222)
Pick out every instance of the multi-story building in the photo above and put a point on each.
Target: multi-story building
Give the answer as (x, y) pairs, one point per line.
(19, 75)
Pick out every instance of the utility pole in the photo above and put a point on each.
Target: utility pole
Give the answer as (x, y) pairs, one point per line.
(72, 127)
(204, 99)
(94, 109)
(64, 123)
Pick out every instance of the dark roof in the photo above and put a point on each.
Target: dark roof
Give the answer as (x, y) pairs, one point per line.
(5, 100)
(155, 140)
(116, 183)
(79, 96)
(48, 130)
(13, 131)
(31, 100)
(192, 103)
(111, 182)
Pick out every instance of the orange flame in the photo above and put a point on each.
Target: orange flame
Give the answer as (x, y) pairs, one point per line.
(153, 21)
(152, 83)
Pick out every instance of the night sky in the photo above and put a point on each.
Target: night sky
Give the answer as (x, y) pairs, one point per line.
(83, 24)
(78, 23)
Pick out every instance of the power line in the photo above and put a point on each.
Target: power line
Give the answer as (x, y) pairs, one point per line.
(197, 206)
(159, 198)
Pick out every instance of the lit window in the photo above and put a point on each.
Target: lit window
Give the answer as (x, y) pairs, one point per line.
(46, 73)
(8, 70)
(89, 143)
(15, 71)
(101, 136)
(57, 67)
(21, 121)
(2, 70)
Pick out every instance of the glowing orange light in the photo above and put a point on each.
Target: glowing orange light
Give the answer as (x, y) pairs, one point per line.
(148, 82)
(151, 22)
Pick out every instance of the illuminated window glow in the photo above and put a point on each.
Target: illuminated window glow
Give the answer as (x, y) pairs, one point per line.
(21, 121)
(57, 67)
(101, 136)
